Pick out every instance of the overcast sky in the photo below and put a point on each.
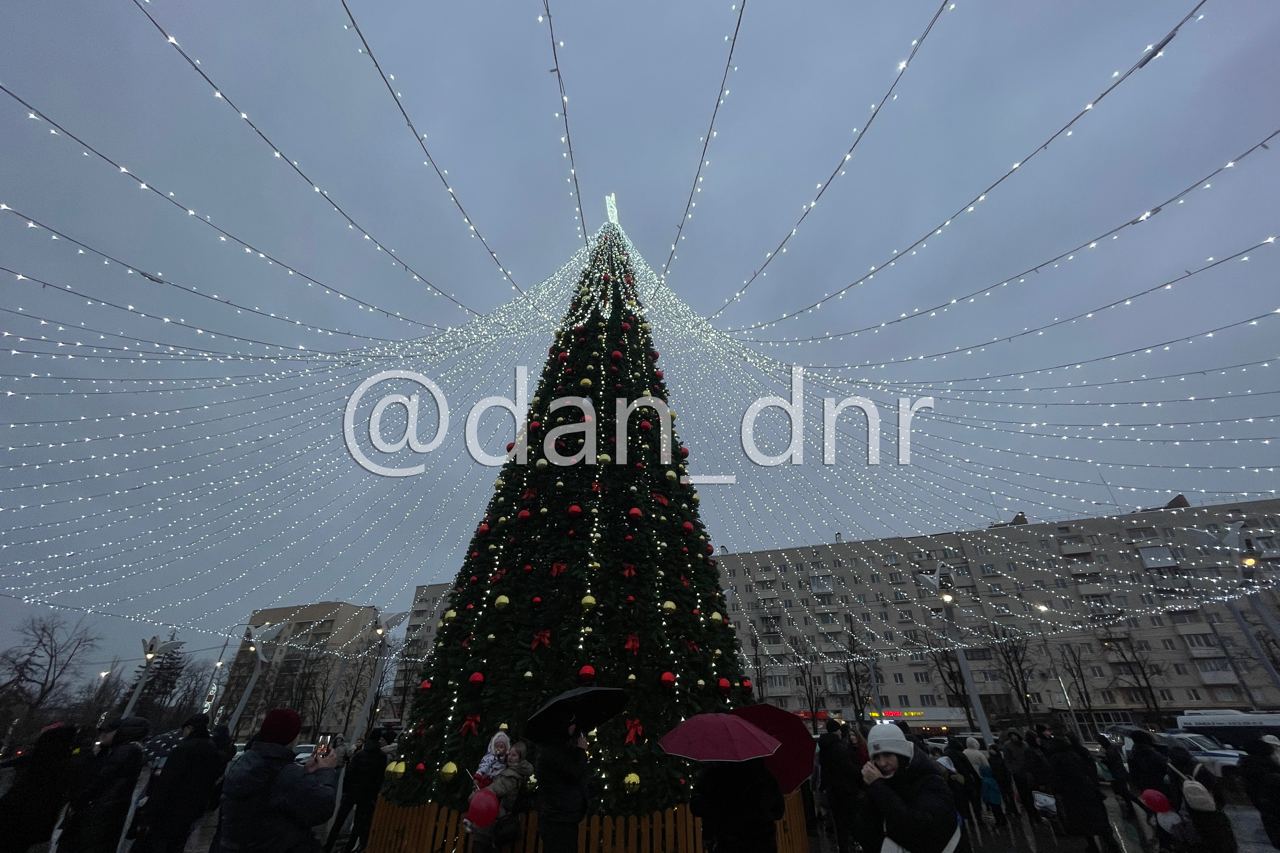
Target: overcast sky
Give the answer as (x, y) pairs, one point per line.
(253, 501)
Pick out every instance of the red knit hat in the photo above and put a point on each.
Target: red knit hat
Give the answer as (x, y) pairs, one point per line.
(281, 725)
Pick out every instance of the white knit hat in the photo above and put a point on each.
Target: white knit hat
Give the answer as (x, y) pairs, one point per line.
(888, 738)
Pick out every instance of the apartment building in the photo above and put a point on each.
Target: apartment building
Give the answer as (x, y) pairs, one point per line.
(1135, 616)
(429, 603)
(318, 659)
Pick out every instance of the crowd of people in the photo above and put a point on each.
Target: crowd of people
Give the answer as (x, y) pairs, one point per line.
(886, 790)
(85, 799)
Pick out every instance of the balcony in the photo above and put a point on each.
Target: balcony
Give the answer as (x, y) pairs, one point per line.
(1216, 678)
(1070, 547)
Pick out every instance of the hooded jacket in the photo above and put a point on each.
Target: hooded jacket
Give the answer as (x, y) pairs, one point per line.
(100, 802)
(365, 773)
(181, 790)
(270, 803)
(914, 807)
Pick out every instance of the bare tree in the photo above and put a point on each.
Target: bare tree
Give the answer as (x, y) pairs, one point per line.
(1135, 670)
(37, 672)
(812, 689)
(1073, 661)
(948, 669)
(1015, 667)
(861, 677)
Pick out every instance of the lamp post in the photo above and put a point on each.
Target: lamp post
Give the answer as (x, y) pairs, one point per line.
(150, 650)
(1075, 724)
(257, 645)
(944, 586)
(379, 666)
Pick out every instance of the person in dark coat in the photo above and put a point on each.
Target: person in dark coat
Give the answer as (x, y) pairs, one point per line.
(360, 788)
(1003, 777)
(839, 780)
(1113, 760)
(1015, 752)
(1075, 784)
(1213, 827)
(1148, 766)
(270, 802)
(739, 804)
(908, 799)
(562, 791)
(102, 794)
(180, 791)
(41, 784)
(1261, 775)
(972, 780)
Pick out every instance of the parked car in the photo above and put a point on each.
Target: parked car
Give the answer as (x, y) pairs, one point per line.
(303, 751)
(1221, 759)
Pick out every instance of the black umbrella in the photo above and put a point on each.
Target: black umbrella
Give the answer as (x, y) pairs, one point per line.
(158, 747)
(586, 707)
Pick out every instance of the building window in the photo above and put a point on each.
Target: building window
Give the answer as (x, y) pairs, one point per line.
(1166, 695)
(1179, 668)
(1108, 697)
(928, 700)
(1201, 641)
(1193, 694)
(904, 701)
(898, 678)
(1157, 622)
(1096, 671)
(1169, 644)
(922, 678)
(987, 569)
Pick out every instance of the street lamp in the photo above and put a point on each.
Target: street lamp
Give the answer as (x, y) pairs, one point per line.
(150, 648)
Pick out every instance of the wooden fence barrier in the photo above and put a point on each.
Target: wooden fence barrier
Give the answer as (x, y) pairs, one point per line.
(432, 828)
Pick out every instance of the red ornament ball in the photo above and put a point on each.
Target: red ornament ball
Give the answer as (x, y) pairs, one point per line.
(420, 767)
(425, 685)
(746, 684)
(615, 355)
(658, 373)
(653, 355)
(523, 515)
(684, 452)
(646, 426)
(574, 510)
(687, 527)
(667, 679)
(528, 567)
(626, 327)
(537, 599)
(564, 356)
(635, 512)
(724, 684)
(587, 672)
(483, 528)
(510, 446)
(476, 678)
(535, 424)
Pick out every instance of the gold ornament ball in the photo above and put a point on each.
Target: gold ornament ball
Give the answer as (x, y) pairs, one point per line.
(716, 653)
(594, 564)
(603, 459)
(696, 498)
(491, 638)
(450, 615)
(716, 617)
(588, 602)
(501, 602)
(669, 607)
(631, 782)
(584, 382)
(449, 771)
(701, 683)
(672, 475)
(540, 464)
(542, 511)
(396, 768)
(631, 677)
(586, 629)
(502, 727)
(528, 676)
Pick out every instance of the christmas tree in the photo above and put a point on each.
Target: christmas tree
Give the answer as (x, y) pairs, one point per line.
(590, 565)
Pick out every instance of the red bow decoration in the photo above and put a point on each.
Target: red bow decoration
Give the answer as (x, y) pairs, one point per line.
(497, 576)
(684, 580)
(595, 487)
(529, 494)
(628, 570)
(557, 569)
(632, 644)
(635, 731)
(693, 647)
(660, 498)
(541, 638)
(471, 725)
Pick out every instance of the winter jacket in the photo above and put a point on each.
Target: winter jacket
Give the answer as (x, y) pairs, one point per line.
(977, 757)
(835, 761)
(1262, 783)
(507, 786)
(562, 783)
(1015, 756)
(914, 807)
(270, 803)
(1075, 784)
(180, 793)
(738, 804)
(100, 802)
(1148, 768)
(365, 773)
(42, 781)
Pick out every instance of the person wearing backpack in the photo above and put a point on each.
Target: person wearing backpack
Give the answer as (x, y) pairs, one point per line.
(269, 802)
(1199, 797)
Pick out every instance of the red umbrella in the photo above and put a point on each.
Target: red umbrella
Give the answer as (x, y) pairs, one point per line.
(718, 737)
(793, 762)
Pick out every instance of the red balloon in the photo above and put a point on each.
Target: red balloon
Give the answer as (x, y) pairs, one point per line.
(483, 810)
